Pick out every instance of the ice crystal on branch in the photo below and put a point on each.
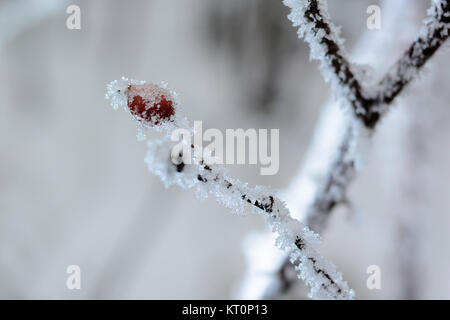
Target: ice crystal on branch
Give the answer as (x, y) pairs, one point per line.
(368, 103)
(211, 179)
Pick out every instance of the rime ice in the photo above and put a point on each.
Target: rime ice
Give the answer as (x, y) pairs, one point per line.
(116, 92)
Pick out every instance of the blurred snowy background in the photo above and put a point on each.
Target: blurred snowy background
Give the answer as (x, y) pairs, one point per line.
(75, 189)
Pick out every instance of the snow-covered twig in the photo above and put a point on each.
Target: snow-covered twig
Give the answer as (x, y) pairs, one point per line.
(368, 104)
(157, 107)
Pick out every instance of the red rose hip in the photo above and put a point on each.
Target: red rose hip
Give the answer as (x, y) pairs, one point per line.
(150, 104)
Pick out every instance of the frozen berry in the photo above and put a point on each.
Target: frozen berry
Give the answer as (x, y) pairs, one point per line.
(150, 103)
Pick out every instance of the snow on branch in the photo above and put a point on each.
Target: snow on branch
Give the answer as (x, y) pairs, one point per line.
(157, 107)
(368, 104)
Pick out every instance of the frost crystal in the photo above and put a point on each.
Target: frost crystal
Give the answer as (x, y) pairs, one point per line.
(116, 92)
